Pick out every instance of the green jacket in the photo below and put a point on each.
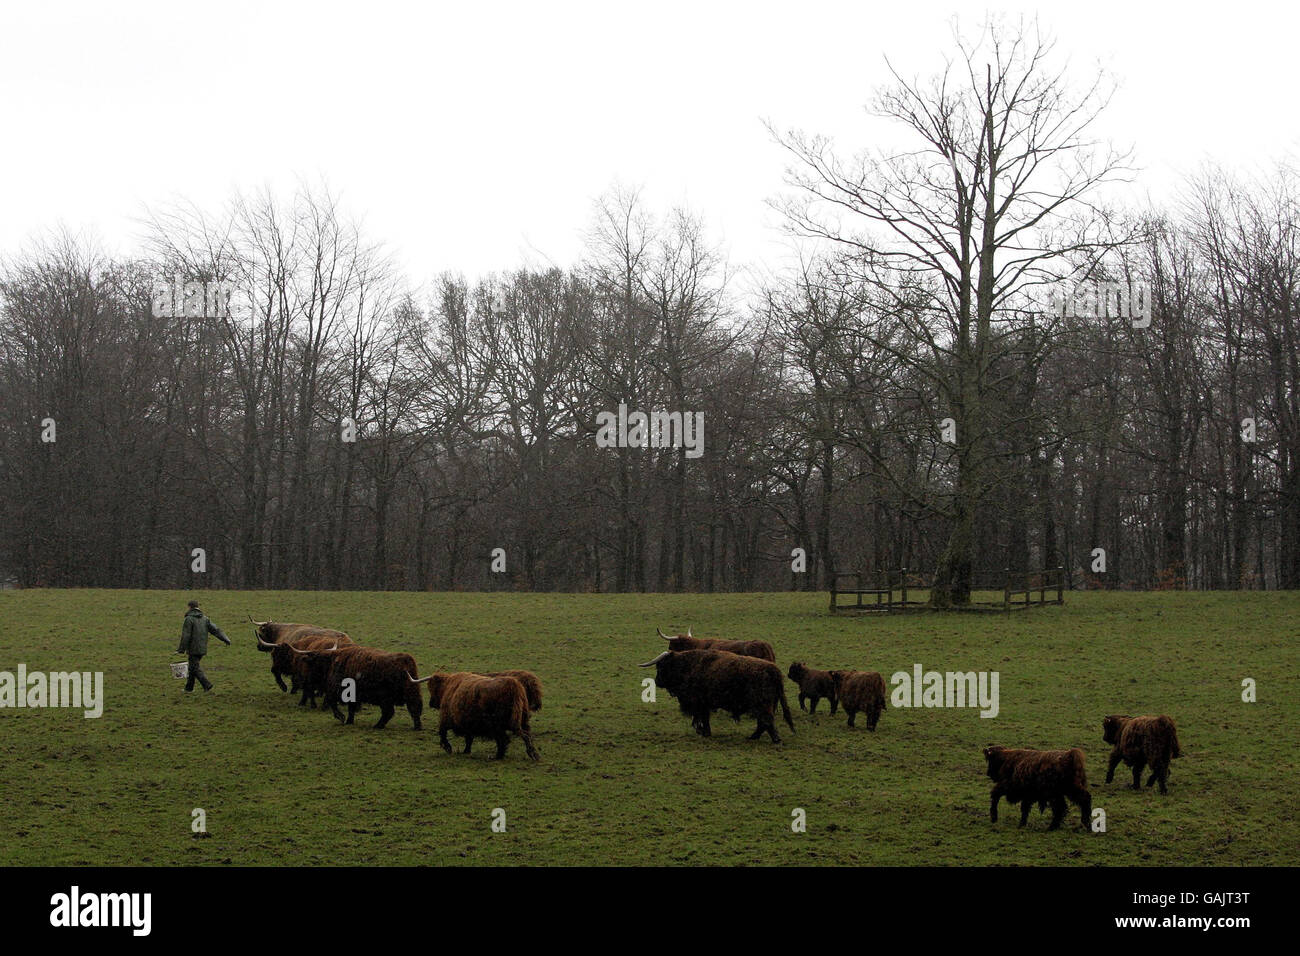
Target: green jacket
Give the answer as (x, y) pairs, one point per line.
(195, 631)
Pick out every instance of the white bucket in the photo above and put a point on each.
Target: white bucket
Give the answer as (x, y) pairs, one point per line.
(181, 669)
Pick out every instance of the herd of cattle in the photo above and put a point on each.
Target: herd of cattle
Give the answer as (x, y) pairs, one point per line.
(736, 677)
(322, 661)
(741, 678)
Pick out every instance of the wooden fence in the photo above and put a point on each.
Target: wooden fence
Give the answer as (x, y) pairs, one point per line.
(889, 590)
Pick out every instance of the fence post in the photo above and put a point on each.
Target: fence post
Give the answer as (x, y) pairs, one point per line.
(1006, 591)
(904, 583)
(1060, 584)
(834, 591)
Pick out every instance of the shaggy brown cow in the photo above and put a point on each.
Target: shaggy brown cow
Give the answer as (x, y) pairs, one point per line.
(860, 691)
(685, 642)
(1139, 741)
(1039, 776)
(271, 633)
(532, 686)
(813, 686)
(709, 680)
(475, 705)
(297, 666)
(384, 678)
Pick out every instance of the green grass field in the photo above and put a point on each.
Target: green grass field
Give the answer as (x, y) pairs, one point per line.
(627, 782)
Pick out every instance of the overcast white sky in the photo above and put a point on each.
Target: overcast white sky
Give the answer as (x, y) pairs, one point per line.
(475, 136)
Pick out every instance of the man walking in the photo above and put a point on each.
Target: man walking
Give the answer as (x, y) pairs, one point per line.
(194, 642)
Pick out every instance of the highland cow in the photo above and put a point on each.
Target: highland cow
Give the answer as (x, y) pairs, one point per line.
(475, 705)
(310, 672)
(707, 680)
(384, 678)
(532, 686)
(297, 665)
(685, 642)
(860, 691)
(1039, 776)
(1139, 742)
(272, 633)
(813, 686)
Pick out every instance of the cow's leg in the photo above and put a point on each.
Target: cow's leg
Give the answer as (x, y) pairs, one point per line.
(993, 802)
(812, 709)
(352, 713)
(835, 702)
(386, 711)
(852, 715)
(1084, 800)
(1058, 812)
(503, 741)
(442, 737)
(873, 718)
(414, 708)
(770, 719)
(279, 680)
(334, 706)
(766, 725)
(469, 740)
(1137, 773)
(1159, 773)
(802, 705)
(1025, 806)
(1115, 758)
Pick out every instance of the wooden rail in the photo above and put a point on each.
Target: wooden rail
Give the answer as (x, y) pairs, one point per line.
(1053, 579)
(892, 596)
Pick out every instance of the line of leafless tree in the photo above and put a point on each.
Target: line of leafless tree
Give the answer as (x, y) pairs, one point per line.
(903, 398)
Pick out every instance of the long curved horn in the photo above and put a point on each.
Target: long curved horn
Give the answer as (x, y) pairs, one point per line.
(663, 635)
(262, 643)
(688, 630)
(656, 660)
(421, 680)
(319, 650)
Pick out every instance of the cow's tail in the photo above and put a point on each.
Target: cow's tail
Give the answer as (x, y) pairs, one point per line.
(1079, 775)
(785, 707)
(1173, 739)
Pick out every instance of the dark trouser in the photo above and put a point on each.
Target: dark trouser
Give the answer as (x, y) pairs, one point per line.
(196, 672)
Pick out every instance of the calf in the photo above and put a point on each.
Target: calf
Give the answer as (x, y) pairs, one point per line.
(1139, 741)
(1038, 776)
(813, 686)
(473, 705)
(860, 691)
